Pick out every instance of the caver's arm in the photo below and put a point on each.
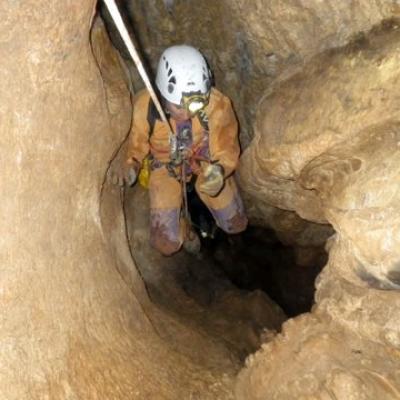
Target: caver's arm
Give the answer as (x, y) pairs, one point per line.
(138, 141)
(224, 141)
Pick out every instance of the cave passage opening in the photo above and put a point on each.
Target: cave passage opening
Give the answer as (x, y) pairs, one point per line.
(253, 260)
(256, 259)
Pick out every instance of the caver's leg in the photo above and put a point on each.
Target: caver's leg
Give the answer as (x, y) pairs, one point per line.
(166, 232)
(227, 208)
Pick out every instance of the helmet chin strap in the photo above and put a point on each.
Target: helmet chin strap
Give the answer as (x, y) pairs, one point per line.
(119, 23)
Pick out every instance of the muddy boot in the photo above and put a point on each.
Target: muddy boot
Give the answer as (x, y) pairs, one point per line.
(192, 244)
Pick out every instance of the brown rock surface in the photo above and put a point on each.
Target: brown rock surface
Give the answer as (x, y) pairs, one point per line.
(72, 326)
(314, 360)
(251, 43)
(76, 320)
(339, 116)
(195, 293)
(336, 153)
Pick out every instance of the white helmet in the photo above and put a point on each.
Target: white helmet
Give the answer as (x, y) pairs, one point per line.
(183, 77)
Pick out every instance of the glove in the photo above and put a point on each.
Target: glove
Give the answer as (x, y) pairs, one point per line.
(211, 180)
(130, 174)
(126, 173)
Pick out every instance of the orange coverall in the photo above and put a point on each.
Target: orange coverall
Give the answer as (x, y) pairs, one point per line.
(220, 144)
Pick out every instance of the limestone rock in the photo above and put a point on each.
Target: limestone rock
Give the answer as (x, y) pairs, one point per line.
(192, 291)
(71, 327)
(252, 43)
(313, 360)
(344, 153)
(76, 320)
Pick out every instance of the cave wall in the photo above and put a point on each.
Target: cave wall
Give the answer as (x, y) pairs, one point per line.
(252, 43)
(313, 161)
(324, 150)
(75, 316)
(72, 326)
(253, 47)
(194, 291)
(335, 157)
(60, 297)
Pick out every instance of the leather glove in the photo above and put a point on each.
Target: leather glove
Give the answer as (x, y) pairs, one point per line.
(211, 179)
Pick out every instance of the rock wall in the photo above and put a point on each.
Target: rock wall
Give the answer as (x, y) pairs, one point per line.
(253, 46)
(72, 326)
(75, 317)
(198, 295)
(252, 43)
(335, 157)
(324, 150)
(308, 162)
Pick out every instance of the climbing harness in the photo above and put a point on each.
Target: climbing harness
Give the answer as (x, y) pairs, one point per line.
(189, 165)
(198, 153)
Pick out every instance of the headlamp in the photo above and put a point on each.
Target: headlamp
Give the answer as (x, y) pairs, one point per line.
(195, 106)
(194, 102)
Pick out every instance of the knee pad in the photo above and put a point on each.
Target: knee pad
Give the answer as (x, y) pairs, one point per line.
(236, 224)
(165, 231)
(164, 246)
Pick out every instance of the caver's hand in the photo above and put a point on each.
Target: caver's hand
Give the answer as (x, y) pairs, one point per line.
(211, 179)
(129, 174)
(121, 173)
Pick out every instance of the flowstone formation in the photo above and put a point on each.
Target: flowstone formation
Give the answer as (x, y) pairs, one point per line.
(335, 158)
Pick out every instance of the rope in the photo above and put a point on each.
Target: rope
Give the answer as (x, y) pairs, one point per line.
(119, 23)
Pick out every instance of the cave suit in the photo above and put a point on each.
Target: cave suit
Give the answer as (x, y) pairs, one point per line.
(216, 141)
